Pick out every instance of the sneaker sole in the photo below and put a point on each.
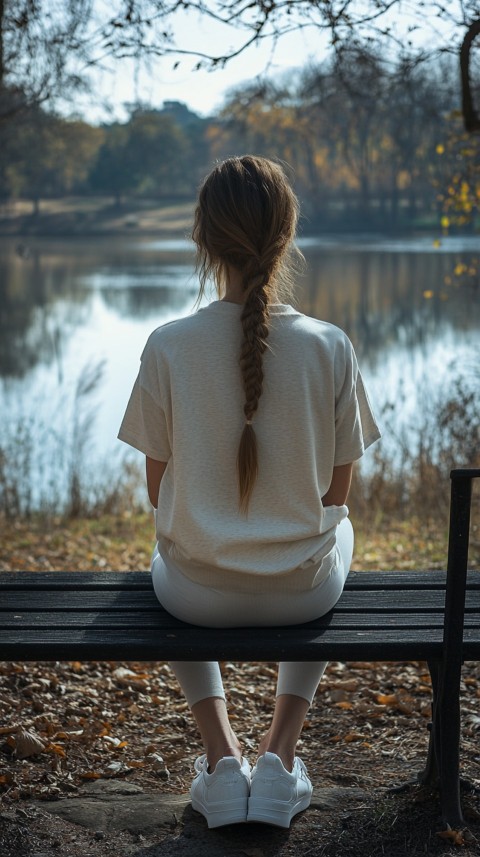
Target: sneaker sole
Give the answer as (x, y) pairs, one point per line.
(276, 812)
(220, 814)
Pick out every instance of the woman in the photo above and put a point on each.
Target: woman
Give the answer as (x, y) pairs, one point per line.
(250, 415)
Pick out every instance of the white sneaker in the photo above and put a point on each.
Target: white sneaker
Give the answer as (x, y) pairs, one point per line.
(275, 794)
(222, 797)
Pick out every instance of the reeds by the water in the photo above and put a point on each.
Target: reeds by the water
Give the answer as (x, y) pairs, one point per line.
(48, 465)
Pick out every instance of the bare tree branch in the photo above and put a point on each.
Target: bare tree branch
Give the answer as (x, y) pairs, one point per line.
(48, 46)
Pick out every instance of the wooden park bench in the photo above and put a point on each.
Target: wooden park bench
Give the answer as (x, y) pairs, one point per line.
(385, 616)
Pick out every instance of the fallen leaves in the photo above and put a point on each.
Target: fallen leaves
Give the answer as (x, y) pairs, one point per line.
(456, 837)
(400, 701)
(121, 542)
(126, 729)
(25, 743)
(109, 720)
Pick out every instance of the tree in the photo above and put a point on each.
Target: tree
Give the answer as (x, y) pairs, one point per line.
(147, 156)
(42, 47)
(112, 172)
(46, 45)
(46, 156)
(156, 148)
(419, 97)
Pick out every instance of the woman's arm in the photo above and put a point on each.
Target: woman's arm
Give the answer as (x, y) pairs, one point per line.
(155, 471)
(340, 486)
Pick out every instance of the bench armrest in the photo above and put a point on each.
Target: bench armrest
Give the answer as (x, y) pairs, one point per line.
(458, 541)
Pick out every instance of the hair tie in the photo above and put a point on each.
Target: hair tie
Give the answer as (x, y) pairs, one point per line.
(248, 422)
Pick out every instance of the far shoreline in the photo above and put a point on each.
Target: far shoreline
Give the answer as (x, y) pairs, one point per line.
(93, 217)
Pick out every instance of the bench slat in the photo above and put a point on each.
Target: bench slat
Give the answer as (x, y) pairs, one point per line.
(90, 645)
(140, 580)
(422, 600)
(188, 643)
(160, 619)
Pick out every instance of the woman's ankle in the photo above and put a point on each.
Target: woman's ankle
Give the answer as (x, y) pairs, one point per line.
(286, 754)
(214, 757)
(286, 757)
(220, 749)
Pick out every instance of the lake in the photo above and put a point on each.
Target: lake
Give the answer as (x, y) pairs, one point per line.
(71, 310)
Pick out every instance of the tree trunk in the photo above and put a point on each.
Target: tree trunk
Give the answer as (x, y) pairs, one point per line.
(2, 57)
(471, 115)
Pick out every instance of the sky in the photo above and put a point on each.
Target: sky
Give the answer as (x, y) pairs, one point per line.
(119, 83)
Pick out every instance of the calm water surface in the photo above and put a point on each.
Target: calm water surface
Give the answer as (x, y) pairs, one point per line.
(67, 305)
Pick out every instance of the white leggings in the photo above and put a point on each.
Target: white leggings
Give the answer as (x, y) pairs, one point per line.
(201, 605)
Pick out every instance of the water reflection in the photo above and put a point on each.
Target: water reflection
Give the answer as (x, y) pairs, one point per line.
(46, 291)
(378, 297)
(64, 304)
(142, 302)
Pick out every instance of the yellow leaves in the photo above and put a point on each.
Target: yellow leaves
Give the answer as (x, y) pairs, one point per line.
(445, 222)
(428, 294)
(440, 149)
(436, 242)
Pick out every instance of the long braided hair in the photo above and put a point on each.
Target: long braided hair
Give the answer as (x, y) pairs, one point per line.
(245, 220)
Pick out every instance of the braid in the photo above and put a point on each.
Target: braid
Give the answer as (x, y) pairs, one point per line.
(244, 225)
(255, 332)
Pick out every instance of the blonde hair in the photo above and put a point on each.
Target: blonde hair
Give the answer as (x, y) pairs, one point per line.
(246, 219)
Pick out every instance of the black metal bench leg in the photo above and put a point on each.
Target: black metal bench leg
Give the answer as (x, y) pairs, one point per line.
(447, 726)
(443, 757)
(429, 775)
(447, 713)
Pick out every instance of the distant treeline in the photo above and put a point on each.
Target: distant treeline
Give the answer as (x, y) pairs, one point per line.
(369, 143)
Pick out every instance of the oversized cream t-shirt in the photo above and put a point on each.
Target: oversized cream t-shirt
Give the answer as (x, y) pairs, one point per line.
(186, 409)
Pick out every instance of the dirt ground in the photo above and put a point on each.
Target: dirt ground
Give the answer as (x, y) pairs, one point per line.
(80, 723)
(367, 731)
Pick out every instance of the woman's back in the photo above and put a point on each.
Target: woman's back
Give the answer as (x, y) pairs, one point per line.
(192, 417)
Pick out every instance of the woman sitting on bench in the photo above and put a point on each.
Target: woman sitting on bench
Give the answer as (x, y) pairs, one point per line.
(250, 415)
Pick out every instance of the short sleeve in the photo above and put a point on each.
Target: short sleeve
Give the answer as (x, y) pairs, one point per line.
(355, 425)
(144, 425)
